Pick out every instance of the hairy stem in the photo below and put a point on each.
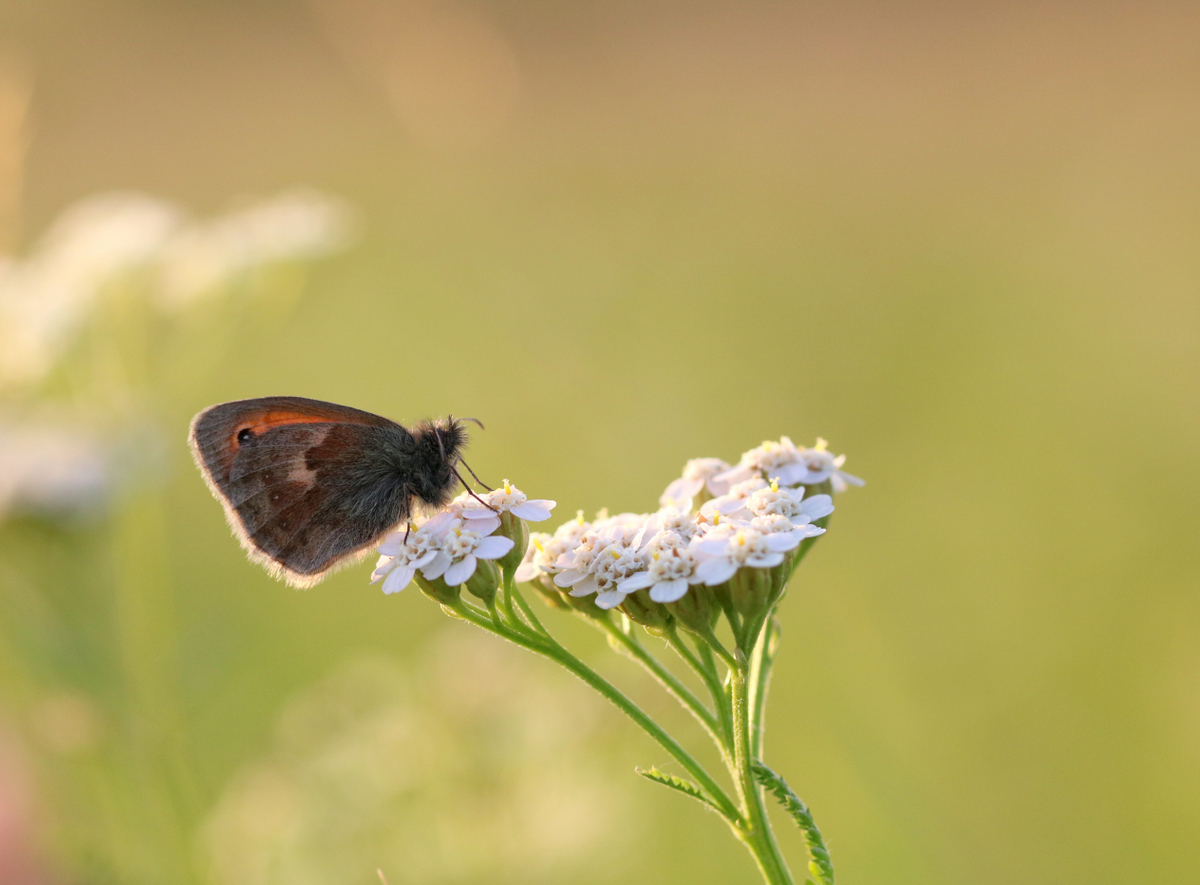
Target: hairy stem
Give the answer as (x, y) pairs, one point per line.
(630, 645)
(756, 830)
(551, 649)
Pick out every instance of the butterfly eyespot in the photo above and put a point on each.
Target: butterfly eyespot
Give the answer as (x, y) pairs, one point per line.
(244, 434)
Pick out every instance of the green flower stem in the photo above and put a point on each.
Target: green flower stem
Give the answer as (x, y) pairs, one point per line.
(756, 828)
(761, 663)
(707, 671)
(511, 593)
(495, 613)
(549, 648)
(630, 645)
(508, 600)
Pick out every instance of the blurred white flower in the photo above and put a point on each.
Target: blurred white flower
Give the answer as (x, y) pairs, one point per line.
(106, 234)
(386, 762)
(47, 296)
(295, 225)
(52, 469)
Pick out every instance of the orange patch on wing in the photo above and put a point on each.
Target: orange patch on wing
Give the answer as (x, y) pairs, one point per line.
(263, 422)
(276, 419)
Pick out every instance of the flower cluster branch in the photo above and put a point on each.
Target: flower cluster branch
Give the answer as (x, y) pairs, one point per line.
(722, 546)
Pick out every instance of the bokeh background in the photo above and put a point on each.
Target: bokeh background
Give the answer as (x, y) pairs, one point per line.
(960, 240)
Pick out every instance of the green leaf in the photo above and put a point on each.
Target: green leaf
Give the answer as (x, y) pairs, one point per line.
(820, 864)
(679, 785)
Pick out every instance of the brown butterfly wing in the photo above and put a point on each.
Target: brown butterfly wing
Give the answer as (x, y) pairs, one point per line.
(306, 485)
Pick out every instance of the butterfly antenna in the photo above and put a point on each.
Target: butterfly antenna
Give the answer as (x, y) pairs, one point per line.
(471, 492)
(472, 472)
(476, 420)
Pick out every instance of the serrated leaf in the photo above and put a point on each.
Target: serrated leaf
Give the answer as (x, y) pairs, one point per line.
(678, 784)
(820, 864)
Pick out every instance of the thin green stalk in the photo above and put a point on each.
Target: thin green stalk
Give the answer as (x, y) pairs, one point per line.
(511, 592)
(717, 687)
(664, 677)
(756, 830)
(508, 600)
(761, 665)
(555, 652)
(708, 674)
(494, 612)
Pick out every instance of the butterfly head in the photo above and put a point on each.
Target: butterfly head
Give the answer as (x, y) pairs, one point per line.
(440, 445)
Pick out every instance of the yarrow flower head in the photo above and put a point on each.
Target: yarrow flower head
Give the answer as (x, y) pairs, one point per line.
(444, 546)
(670, 568)
(453, 545)
(699, 475)
(506, 499)
(402, 553)
(784, 462)
(462, 546)
(752, 516)
(742, 547)
(822, 466)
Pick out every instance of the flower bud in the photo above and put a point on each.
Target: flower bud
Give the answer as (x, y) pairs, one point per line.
(484, 582)
(750, 590)
(515, 528)
(584, 605)
(437, 590)
(652, 615)
(696, 610)
(549, 594)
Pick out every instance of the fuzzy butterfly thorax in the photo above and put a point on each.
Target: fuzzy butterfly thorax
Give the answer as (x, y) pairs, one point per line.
(308, 486)
(439, 446)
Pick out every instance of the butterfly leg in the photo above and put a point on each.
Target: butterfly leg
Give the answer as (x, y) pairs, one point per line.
(472, 472)
(471, 491)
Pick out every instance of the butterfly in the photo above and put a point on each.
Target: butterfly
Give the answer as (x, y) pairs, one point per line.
(309, 486)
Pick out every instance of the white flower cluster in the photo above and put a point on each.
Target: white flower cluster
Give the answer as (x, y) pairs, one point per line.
(749, 516)
(450, 544)
(47, 296)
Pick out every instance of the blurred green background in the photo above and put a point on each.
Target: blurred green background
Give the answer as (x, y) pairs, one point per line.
(961, 241)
